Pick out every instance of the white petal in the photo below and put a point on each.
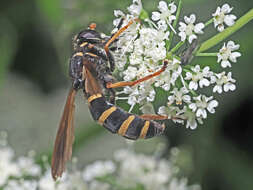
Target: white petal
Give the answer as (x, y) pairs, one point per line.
(232, 46)
(230, 20)
(217, 12)
(220, 27)
(213, 104)
(206, 70)
(187, 98)
(162, 6)
(162, 110)
(229, 86)
(187, 19)
(173, 7)
(193, 85)
(218, 89)
(219, 57)
(196, 69)
(234, 56)
(198, 28)
(155, 16)
(213, 79)
(225, 64)
(118, 13)
(162, 25)
(232, 87)
(193, 107)
(192, 18)
(204, 82)
(192, 124)
(182, 35)
(166, 87)
(201, 112)
(182, 26)
(226, 8)
(188, 76)
(192, 37)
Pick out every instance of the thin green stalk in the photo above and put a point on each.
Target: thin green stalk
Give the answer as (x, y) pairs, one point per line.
(179, 8)
(173, 50)
(206, 54)
(227, 32)
(209, 22)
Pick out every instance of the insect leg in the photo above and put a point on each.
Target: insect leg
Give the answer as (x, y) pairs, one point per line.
(132, 83)
(113, 38)
(153, 117)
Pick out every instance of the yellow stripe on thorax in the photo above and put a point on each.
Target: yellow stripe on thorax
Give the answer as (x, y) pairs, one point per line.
(78, 54)
(144, 130)
(91, 54)
(106, 114)
(83, 44)
(94, 97)
(124, 126)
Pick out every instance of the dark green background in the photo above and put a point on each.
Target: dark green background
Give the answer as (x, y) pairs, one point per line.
(35, 44)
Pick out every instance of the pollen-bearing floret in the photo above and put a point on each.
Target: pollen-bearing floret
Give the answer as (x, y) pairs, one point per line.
(189, 30)
(222, 16)
(226, 55)
(146, 46)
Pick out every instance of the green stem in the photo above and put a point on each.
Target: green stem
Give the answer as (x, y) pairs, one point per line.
(209, 22)
(206, 54)
(227, 32)
(173, 50)
(179, 8)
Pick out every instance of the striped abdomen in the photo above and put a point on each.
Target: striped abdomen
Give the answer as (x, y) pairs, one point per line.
(119, 121)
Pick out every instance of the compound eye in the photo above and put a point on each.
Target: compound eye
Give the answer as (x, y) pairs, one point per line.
(87, 35)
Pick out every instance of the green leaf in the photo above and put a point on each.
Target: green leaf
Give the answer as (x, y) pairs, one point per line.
(51, 9)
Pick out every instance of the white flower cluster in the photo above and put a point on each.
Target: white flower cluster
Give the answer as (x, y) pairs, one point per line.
(143, 48)
(128, 170)
(222, 16)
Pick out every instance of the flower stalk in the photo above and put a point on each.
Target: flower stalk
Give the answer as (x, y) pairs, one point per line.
(179, 8)
(226, 33)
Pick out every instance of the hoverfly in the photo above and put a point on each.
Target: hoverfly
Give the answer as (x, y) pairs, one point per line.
(91, 66)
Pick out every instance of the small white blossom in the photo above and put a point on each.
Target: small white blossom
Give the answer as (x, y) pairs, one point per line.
(21, 185)
(191, 118)
(222, 16)
(226, 55)
(189, 30)
(198, 77)
(165, 15)
(46, 182)
(98, 169)
(135, 8)
(201, 104)
(172, 112)
(7, 166)
(179, 96)
(28, 167)
(227, 82)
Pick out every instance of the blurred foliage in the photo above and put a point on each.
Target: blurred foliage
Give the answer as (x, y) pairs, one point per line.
(8, 44)
(35, 41)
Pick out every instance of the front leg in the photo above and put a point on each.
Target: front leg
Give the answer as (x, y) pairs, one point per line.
(132, 83)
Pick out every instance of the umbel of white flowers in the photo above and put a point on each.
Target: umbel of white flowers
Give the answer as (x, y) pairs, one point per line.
(144, 46)
(126, 169)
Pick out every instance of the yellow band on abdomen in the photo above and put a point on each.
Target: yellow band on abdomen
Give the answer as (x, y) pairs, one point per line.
(94, 97)
(123, 128)
(106, 114)
(144, 130)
